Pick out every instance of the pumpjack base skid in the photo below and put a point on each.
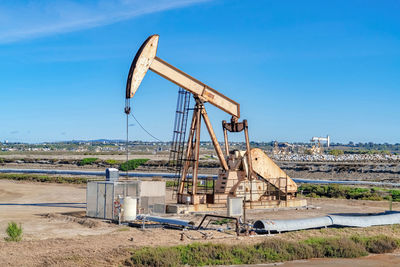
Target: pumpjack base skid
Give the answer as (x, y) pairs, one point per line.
(180, 208)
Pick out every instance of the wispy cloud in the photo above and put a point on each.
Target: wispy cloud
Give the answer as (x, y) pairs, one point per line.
(21, 20)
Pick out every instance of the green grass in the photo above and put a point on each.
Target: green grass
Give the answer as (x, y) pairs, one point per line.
(349, 192)
(112, 161)
(377, 244)
(170, 183)
(336, 152)
(221, 222)
(208, 184)
(43, 178)
(14, 232)
(270, 250)
(132, 164)
(87, 161)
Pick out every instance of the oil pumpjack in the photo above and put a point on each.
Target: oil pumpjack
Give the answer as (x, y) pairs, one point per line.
(249, 174)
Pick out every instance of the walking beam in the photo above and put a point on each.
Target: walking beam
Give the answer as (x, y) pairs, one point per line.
(146, 59)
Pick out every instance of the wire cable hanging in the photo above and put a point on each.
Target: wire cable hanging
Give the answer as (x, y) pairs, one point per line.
(145, 129)
(127, 111)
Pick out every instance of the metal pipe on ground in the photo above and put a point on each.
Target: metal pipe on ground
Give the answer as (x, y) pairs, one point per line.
(164, 220)
(292, 225)
(386, 218)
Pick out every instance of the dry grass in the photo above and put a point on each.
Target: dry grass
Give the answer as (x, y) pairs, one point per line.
(270, 250)
(387, 230)
(44, 178)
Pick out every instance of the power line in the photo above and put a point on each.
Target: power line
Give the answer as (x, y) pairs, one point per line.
(145, 129)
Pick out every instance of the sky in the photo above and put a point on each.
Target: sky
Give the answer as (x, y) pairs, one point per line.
(298, 68)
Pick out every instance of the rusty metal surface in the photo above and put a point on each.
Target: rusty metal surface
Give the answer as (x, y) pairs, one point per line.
(234, 127)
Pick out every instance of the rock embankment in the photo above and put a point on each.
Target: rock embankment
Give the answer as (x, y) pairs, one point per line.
(370, 171)
(340, 158)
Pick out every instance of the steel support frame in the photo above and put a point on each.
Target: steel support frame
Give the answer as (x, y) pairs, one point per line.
(193, 152)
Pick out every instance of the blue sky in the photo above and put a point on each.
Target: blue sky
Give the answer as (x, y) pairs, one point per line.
(298, 68)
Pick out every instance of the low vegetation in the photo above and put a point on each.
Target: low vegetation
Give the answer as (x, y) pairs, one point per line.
(132, 164)
(43, 178)
(336, 152)
(221, 222)
(87, 161)
(271, 250)
(349, 192)
(369, 152)
(113, 162)
(170, 183)
(377, 244)
(202, 184)
(14, 232)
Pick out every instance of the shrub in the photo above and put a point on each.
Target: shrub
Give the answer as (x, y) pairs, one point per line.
(14, 232)
(43, 178)
(308, 152)
(87, 161)
(395, 194)
(132, 164)
(170, 183)
(270, 250)
(221, 222)
(112, 161)
(336, 152)
(377, 244)
(149, 256)
(285, 249)
(348, 192)
(336, 248)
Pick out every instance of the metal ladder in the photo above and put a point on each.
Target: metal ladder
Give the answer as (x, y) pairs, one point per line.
(176, 158)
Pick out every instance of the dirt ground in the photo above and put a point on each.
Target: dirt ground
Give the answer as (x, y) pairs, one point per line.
(56, 233)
